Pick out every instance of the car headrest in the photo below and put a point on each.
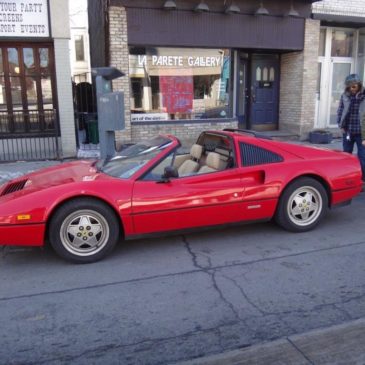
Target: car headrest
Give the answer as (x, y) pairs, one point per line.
(196, 151)
(213, 160)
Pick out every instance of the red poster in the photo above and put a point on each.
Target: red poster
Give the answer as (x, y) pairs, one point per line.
(177, 93)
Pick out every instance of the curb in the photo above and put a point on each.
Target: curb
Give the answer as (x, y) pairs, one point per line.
(342, 344)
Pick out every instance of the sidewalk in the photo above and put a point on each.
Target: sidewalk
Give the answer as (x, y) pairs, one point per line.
(12, 170)
(338, 345)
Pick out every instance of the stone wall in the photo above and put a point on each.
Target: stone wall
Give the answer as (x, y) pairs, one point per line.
(186, 132)
(354, 8)
(299, 71)
(119, 58)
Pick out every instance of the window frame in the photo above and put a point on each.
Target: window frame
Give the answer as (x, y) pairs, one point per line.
(26, 107)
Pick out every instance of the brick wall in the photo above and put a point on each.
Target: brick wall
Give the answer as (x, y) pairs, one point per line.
(119, 58)
(186, 132)
(340, 7)
(298, 84)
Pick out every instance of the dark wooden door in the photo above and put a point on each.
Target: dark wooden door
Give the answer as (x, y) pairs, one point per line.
(264, 97)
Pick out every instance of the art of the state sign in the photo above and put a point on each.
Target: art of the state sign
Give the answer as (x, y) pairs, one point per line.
(24, 18)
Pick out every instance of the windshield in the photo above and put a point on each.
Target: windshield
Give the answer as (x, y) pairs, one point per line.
(125, 163)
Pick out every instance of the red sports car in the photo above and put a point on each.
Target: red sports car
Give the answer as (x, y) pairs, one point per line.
(84, 208)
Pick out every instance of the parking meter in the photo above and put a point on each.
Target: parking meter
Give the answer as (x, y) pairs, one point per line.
(110, 108)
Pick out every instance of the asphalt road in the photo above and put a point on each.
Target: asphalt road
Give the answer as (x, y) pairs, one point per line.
(164, 300)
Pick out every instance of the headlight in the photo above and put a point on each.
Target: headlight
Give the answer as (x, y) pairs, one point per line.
(28, 183)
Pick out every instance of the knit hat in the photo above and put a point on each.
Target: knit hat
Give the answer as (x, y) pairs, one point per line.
(352, 79)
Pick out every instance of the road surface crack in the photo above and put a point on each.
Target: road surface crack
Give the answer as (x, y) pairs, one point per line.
(212, 274)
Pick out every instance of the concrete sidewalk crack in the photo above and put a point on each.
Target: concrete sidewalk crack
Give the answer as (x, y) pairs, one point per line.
(300, 351)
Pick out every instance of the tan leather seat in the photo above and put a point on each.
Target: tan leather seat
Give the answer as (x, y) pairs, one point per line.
(192, 165)
(213, 163)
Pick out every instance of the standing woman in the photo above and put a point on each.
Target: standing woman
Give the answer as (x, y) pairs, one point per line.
(351, 118)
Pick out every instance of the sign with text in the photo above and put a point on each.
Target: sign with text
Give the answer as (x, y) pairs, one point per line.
(24, 18)
(148, 117)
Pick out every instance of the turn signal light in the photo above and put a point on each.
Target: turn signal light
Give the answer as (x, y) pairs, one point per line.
(23, 217)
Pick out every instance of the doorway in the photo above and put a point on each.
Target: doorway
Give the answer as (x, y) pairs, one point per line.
(336, 60)
(242, 92)
(264, 92)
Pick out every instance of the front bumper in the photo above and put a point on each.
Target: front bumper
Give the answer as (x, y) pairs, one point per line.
(22, 234)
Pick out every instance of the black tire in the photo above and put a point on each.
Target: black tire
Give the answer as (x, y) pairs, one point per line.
(84, 230)
(302, 205)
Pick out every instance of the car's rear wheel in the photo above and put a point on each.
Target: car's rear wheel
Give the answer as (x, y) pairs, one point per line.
(302, 205)
(83, 230)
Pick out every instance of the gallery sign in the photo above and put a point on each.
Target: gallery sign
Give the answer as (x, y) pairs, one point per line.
(210, 61)
(24, 18)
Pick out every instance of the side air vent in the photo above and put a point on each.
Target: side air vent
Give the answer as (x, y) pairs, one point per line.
(253, 155)
(12, 187)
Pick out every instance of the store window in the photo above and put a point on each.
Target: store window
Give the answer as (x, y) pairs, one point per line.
(342, 43)
(179, 83)
(79, 48)
(26, 89)
(361, 54)
(322, 42)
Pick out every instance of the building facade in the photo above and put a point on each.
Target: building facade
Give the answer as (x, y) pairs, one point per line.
(34, 78)
(79, 42)
(341, 52)
(195, 65)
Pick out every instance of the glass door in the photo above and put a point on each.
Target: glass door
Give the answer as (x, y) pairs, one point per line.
(339, 71)
(361, 53)
(336, 60)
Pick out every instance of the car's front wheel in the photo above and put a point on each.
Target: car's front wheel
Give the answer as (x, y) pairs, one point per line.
(83, 230)
(302, 205)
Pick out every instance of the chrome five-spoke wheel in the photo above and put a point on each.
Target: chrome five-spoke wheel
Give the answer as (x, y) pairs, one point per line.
(84, 230)
(302, 205)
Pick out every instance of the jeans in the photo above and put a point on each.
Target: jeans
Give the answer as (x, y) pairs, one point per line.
(348, 146)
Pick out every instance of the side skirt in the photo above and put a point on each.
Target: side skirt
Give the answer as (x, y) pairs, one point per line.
(194, 230)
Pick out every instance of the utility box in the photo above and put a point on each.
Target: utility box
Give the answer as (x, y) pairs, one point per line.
(110, 109)
(111, 106)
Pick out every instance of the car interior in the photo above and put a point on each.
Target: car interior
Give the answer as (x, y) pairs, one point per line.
(211, 153)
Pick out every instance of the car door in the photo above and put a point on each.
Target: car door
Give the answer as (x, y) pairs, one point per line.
(260, 192)
(187, 202)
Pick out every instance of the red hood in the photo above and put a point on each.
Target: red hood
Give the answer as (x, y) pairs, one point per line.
(52, 176)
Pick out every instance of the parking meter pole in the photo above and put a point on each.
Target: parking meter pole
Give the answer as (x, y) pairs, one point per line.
(106, 138)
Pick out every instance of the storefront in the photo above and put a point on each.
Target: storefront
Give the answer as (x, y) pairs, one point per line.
(341, 52)
(208, 65)
(30, 87)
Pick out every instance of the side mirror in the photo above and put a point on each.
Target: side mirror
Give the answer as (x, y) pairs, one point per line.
(169, 172)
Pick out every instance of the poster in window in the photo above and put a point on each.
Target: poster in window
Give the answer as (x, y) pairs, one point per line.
(177, 93)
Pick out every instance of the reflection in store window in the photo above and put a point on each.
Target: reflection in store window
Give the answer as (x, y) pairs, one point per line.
(79, 48)
(342, 43)
(322, 42)
(258, 74)
(265, 74)
(179, 83)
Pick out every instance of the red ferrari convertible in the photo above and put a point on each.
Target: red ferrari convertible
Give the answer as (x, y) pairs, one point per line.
(84, 208)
